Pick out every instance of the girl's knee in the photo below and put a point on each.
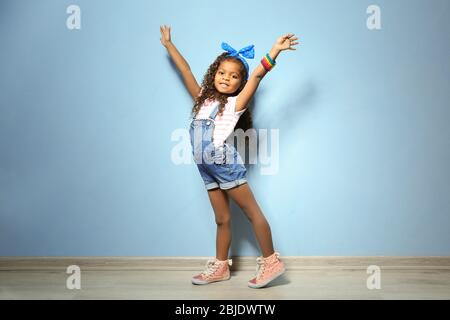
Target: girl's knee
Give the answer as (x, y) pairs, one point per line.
(223, 219)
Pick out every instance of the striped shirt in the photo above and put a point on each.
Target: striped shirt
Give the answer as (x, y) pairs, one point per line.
(225, 123)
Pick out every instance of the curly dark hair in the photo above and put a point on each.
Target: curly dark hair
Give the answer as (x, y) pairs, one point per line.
(209, 91)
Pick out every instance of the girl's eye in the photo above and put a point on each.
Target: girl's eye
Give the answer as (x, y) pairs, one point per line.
(235, 77)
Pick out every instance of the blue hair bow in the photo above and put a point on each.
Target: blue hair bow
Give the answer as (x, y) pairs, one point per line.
(247, 52)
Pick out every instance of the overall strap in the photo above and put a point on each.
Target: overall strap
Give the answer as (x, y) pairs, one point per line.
(215, 111)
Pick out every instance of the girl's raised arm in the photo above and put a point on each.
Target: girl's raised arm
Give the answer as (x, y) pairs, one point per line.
(286, 42)
(182, 65)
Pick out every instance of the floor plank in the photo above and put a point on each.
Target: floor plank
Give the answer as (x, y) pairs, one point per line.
(295, 284)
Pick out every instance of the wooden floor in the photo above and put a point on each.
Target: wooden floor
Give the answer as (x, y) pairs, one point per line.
(306, 282)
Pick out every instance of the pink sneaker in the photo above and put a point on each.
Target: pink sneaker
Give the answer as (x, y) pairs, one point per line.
(215, 270)
(267, 270)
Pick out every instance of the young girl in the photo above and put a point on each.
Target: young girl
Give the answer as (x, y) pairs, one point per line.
(223, 97)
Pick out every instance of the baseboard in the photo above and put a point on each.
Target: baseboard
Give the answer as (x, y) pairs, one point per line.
(239, 263)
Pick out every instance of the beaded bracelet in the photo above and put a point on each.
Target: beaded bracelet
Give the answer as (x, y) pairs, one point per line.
(267, 62)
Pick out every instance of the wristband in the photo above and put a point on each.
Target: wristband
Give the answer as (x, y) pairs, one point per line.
(267, 62)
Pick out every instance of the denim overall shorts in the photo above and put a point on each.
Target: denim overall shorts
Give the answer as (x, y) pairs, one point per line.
(221, 166)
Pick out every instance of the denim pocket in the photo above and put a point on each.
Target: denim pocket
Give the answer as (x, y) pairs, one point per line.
(219, 156)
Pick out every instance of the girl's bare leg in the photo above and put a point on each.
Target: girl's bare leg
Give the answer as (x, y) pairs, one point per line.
(220, 203)
(244, 198)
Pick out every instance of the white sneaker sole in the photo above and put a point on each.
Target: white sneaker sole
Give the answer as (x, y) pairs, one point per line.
(200, 282)
(257, 286)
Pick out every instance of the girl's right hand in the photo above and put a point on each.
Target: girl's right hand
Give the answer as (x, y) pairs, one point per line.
(165, 35)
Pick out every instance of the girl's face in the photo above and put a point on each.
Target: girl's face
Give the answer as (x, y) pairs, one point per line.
(228, 77)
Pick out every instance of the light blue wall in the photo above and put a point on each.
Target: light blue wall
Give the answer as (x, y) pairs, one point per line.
(86, 118)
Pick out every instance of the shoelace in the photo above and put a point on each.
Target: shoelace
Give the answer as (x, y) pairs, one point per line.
(212, 265)
(261, 264)
(260, 267)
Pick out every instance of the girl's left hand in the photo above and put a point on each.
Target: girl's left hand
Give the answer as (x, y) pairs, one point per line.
(286, 42)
